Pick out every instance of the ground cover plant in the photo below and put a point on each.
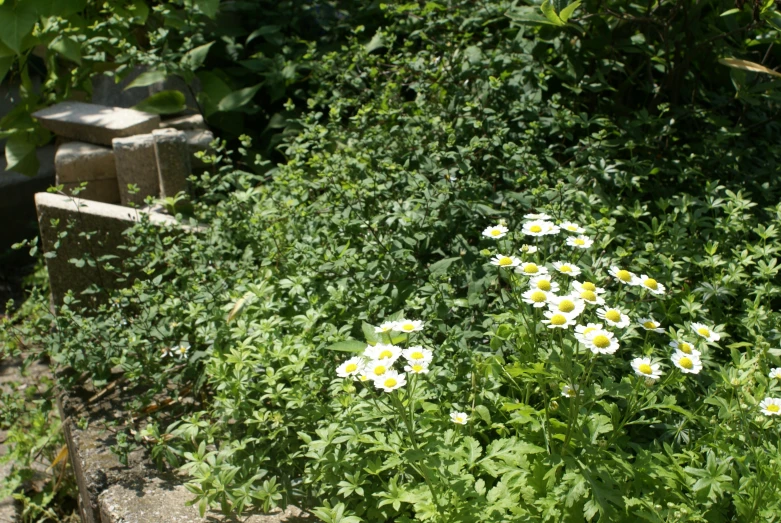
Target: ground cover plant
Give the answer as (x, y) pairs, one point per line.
(519, 264)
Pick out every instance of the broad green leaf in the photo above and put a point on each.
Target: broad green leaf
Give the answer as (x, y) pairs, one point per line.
(377, 41)
(550, 13)
(196, 57)
(348, 346)
(440, 267)
(15, 24)
(20, 155)
(263, 31)
(208, 7)
(238, 99)
(5, 65)
(164, 102)
(368, 332)
(147, 78)
(745, 65)
(62, 8)
(68, 47)
(566, 13)
(730, 12)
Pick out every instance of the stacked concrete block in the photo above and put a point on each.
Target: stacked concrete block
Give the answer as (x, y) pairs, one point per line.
(188, 122)
(136, 165)
(77, 162)
(173, 161)
(198, 140)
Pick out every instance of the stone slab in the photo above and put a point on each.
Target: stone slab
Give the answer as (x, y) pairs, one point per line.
(189, 122)
(198, 140)
(106, 191)
(173, 161)
(82, 162)
(95, 123)
(136, 163)
(58, 214)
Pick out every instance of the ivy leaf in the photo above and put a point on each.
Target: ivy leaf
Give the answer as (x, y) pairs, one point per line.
(5, 65)
(238, 99)
(68, 47)
(196, 57)
(20, 155)
(164, 102)
(15, 24)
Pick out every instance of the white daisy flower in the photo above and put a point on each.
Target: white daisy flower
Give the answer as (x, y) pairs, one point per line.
(558, 320)
(567, 305)
(500, 260)
(684, 347)
(706, 332)
(495, 232)
(572, 227)
(540, 216)
(582, 331)
(408, 325)
(775, 373)
(390, 381)
(580, 242)
(351, 367)
(362, 376)
(376, 368)
(570, 269)
(569, 391)
(182, 349)
(531, 269)
(539, 228)
(613, 317)
(587, 286)
(543, 283)
(417, 368)
(644, 367)
(528, 249)
(536, 297)
(588, 296)
(601, 342)
(688, 363)
(770, 406)
(385, 327)
(459, 418)
(382, 352)
(166, 351)
(651, 285)
(417, 354)
(650, 324)
(624, 276)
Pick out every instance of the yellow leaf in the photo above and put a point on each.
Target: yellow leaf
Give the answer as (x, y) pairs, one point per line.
(748, 66)
(63, 454)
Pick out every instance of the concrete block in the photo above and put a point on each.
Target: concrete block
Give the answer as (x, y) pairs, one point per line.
(95, 123)
(136, 163)
(106, 190)
(198, 141)
(82, 162)
(173, 161)
(70, 228)
(189, 122)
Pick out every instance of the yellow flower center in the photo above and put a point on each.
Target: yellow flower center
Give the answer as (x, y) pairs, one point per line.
(651, 283)
(565, 268)
(624, 275)
(613, 315)
(685, 348)
(530, 268)
(645, 368)
(417, 355)
(417, 368)
(588, 296)
(535, 228)
(702, 331)
(589, 286)
(588, 329)
(566, 306)
(538, 297)
(601, 341)
(351, 367)
(390, 382)
(649, 325)
(495, 232)
(505, 260)
(363, 377)
(571, 227)
(773, 407)
(379, 370)
(558, 319)
(458, 419)
(385, 354)
(686, 363)
(578, 241)
(544, 285)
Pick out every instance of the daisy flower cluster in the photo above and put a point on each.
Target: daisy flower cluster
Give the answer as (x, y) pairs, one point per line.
(378, 362)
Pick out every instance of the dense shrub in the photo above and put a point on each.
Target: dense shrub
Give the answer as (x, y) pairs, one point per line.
(454, 117)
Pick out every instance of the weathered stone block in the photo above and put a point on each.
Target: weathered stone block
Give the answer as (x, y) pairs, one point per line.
(82, 227)
(136, 163)
(188, 122)
(95, 123)
(82, 162)
(106, 190)
(198, 141)
(173, 161)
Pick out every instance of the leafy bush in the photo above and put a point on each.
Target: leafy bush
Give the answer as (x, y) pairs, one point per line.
(451, 118)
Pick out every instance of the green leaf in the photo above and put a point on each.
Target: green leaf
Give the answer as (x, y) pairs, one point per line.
(377, 41)
(263, 31)
(238, 99)
(745, 65)
(68, 47)
(5, 65)
(15, 24)
(730, 12)
(440, 267)
(164, 102)
(62, 8)
(550, 13)
(347, 346)
(368, 332)
(147, 78)
(20, 155)
(196, 57)
(566, 13)
(208, 7)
